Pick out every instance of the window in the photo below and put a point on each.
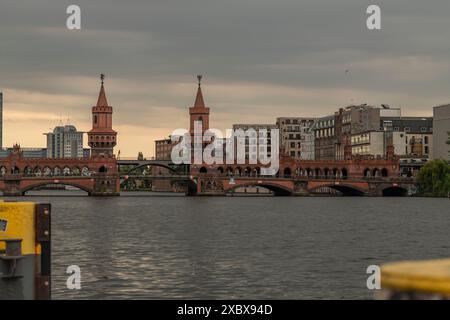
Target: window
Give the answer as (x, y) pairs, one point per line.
(426, 141)
(407, 129)
(423, 129)
(426, 150)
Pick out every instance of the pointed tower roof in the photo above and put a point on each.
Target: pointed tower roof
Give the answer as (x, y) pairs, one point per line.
(102, 102)
(199, 102)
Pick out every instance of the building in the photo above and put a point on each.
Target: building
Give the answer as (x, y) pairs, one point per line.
(307, 151)
(441, 129)
(163, 149)
(388, 111)
(35, 153)
(361, 118)
(102, 138)
(417, 133)
(325, 139)
(254, 142)
(368, 143)
(65, 142)
(293, 132)
(1, 120)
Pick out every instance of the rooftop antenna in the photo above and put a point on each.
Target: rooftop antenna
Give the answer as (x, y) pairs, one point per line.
(102, 77)
(199, 78)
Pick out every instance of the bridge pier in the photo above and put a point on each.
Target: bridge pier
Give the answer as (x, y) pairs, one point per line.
(105, 185)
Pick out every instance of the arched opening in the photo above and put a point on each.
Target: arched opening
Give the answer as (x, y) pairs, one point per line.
(2, 171)
(395, 192)
(76, 171)
(85, 172)
(49, 189)
(375, 172)
(238, 171)
(336, 173)
(247, 171)
(384, 172)
(203, 170)
(245, 189)
(220, 170)
(344, 173)
(56, 171)
(28, 172)
(367, 173)
(317, 173)
(47, 171)
(287, 172)
(67, 171)
(102, 169)
(37, 171)
(229, 171)
(15, 170)
(342, 190)
(326, 173)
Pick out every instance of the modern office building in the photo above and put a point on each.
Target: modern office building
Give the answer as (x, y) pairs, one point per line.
(441, 129)
(65, 142)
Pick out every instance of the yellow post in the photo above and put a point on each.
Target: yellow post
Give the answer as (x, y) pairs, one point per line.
(416, 280)
(24, 250)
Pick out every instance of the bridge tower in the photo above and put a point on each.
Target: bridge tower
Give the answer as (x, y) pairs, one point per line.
(199, 112)
(102, 138)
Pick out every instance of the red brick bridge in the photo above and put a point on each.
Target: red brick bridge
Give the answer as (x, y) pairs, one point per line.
(97, 175)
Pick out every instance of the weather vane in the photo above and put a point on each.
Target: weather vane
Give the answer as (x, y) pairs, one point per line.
(199, 77)
(102, 77)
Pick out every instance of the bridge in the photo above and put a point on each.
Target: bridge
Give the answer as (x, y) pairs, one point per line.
(97, 176)
(102, 174)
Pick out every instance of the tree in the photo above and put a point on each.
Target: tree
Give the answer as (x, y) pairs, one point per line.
(434, 178)
(448, 139)
(140, 156)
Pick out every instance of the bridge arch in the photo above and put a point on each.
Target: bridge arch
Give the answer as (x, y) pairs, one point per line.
(278, 190)
(394, 191)
(287, 172)
(62, 183)
(345, 189)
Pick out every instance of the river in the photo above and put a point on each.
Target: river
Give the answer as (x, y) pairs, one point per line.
(236, 247)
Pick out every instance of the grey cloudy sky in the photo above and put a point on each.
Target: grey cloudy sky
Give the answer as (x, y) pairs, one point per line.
(261, 59)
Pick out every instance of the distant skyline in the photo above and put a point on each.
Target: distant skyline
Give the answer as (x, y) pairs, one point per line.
(261, 59)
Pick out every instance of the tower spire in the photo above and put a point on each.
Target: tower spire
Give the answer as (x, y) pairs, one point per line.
(102, 102)
(199, 102)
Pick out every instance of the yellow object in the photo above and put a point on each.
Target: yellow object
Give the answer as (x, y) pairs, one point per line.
(17, 221)
(432, 276)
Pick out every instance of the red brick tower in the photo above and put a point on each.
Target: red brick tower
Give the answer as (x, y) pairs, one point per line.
(199, 112)
(102, 138)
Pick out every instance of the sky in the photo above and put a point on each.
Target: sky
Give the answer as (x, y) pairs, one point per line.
(261, 59)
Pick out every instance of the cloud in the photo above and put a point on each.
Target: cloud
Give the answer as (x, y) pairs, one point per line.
(261, 59)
